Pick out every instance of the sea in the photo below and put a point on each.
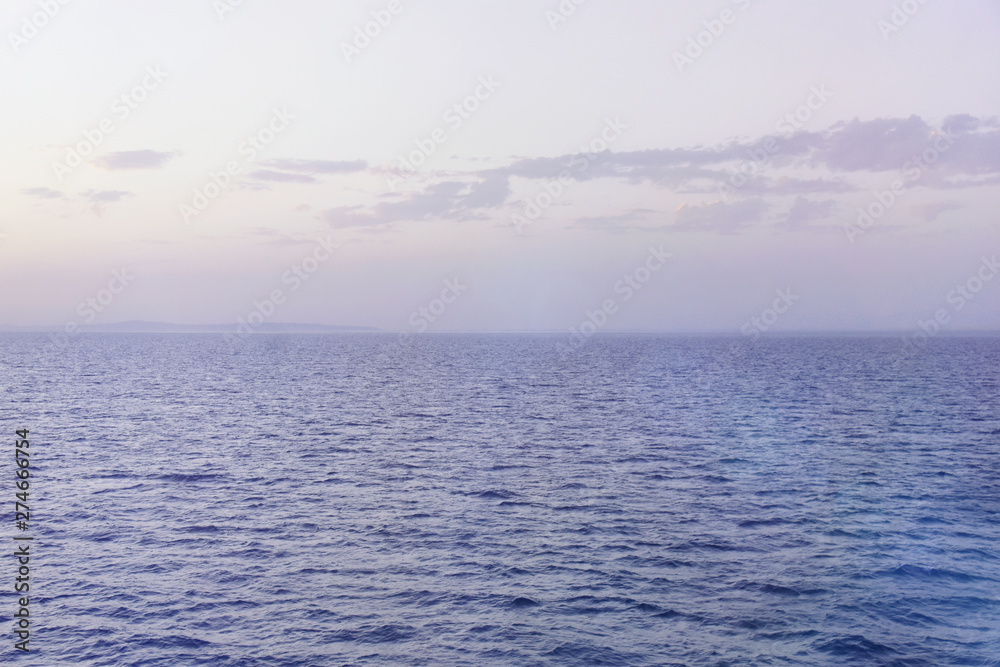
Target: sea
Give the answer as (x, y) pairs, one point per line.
(296, 500)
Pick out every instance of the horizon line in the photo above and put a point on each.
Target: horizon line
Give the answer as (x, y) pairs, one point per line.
(145, 326)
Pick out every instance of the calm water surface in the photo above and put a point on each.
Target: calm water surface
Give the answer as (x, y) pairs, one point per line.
(478, 500)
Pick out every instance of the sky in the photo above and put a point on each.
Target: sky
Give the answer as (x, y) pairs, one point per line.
(525, 165)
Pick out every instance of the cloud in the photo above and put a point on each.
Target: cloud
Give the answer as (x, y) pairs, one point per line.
(879, 145)
(492, 191)
(317, 166)
(931, 212)
(961, 146)
(719, 216)
(961, 151)
(788, 185)
(42, 193)
(105, 196)
(281, 177)
(660, 166)
(804, 211)
(448, 200)
(884, 144)
(99, 199)
(304, 171)
(962, 124)
(144, 159)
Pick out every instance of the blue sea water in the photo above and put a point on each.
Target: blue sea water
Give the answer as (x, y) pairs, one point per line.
(298, 500)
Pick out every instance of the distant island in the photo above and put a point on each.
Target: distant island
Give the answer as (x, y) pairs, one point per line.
(137, 326)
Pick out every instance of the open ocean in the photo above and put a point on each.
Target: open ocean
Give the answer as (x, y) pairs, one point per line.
(327, 500)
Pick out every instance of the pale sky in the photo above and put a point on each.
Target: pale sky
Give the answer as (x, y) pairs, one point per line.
(619, 131)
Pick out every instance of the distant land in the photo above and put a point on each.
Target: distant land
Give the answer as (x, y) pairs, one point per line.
(137, 326)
